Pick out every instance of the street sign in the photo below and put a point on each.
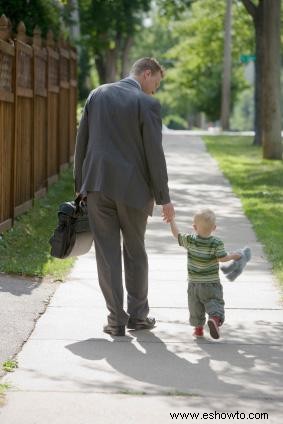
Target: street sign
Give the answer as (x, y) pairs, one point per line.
(246, 58)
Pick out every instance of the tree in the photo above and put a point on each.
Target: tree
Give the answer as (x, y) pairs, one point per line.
(190, 46)
(198, 55)
(266, 19)
(108, 27)
(44, 13)
(155, 41)
(173, 9)
(271, 117)
(72, 11)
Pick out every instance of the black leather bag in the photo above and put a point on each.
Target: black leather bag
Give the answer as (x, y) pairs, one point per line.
(72, 236)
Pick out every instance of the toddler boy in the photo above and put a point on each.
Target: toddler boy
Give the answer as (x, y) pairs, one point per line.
(205, 292)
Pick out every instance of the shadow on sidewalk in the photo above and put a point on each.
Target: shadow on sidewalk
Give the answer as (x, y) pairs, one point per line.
(151, 363)
(240, 369)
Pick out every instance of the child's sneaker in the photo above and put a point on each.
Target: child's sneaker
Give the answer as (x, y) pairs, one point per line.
(198, 332)
(213, 324)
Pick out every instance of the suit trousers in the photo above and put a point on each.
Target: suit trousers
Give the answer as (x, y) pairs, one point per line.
(109, 219)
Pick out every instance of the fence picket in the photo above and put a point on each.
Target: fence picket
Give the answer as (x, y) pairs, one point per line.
(37, 88)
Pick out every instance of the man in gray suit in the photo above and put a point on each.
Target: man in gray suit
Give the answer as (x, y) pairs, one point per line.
(120, 164)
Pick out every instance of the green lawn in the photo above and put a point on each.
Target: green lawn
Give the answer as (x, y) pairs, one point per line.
(25, 249)
(259, 185)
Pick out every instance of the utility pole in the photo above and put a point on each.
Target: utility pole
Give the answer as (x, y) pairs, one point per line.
(226, 77)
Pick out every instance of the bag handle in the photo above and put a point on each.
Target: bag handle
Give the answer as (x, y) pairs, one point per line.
(80, 202)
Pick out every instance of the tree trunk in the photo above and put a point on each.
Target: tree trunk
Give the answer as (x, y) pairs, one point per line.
(106, 66)
(258, 23)
(75, 32)
(226, 79)
(111, 65)
(106, 59)
(101, 68)
(271, 122)
(125, 68)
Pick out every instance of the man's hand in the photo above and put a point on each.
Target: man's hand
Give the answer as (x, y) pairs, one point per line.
(168, 212)
(83, 196)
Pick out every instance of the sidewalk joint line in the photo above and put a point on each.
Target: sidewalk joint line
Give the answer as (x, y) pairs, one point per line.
(134, 339)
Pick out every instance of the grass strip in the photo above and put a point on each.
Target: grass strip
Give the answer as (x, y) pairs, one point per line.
(3, 388)
(24, 249)
(9, 365)
(259, 185)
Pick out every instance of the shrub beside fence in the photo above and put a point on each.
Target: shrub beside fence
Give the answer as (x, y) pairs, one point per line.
(38, 97)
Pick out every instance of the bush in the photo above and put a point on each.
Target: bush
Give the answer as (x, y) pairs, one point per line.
(175, 122)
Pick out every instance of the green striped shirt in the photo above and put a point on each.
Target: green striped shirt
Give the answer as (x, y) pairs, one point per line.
(203, 252)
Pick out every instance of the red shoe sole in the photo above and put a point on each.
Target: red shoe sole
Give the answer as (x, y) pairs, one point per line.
(213, 329)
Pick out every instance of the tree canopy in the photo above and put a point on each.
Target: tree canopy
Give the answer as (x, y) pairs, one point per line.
(44, 13)
(193, 55)
(108, 27)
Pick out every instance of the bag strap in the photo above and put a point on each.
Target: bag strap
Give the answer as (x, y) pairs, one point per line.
(78, 200)
(80, 203)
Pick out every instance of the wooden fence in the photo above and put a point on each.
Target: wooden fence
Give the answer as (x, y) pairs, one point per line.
(38, 97)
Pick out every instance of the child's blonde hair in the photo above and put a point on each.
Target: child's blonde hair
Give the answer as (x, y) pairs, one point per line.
(206, 218)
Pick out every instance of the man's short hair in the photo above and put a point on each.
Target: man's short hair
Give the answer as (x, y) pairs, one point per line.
(147, 63)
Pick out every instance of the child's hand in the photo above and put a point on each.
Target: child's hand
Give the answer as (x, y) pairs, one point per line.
(237, 256)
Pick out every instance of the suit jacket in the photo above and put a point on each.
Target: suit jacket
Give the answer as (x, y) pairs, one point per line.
(119, 146)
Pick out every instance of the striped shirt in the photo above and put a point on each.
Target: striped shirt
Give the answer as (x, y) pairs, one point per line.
(203, 252)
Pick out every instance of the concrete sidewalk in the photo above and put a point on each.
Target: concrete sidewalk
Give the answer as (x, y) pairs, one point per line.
(70, 372)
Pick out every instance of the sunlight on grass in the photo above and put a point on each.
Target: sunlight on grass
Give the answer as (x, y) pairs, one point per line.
(25, 249)
(259, 185)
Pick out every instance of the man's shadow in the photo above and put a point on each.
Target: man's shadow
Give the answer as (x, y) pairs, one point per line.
(146, 359)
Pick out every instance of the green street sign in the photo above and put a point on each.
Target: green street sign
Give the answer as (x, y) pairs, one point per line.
(246, 58)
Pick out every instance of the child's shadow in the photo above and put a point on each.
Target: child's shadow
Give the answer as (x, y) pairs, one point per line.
(146, 359)
(254, 357)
